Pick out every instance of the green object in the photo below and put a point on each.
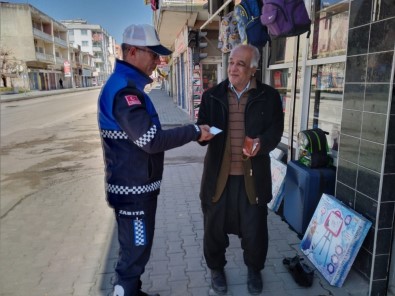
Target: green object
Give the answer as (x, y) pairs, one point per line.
(313, 148)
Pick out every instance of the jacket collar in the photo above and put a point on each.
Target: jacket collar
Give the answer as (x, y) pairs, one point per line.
(139, 77)
(222, 88)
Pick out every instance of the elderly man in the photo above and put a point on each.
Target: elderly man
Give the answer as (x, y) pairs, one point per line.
(133, 146)
(236, 182)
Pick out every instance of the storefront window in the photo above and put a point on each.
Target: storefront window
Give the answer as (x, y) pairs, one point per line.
(330, 24)
(282, 80)
(209, 75)
(282, 49)
(325, 108)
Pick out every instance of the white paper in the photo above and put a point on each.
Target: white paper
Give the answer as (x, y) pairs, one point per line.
(215, 130)
(254, 147)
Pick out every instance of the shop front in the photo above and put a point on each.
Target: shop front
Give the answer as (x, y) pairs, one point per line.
(341, 80)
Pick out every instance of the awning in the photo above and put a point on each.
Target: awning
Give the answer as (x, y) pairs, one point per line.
(215, 14)
(171, 23)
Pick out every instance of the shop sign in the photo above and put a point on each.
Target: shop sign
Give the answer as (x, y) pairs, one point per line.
(86, 72)
(67, 69)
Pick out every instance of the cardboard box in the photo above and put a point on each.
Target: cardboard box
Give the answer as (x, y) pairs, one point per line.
(279, 170)
(333, 238)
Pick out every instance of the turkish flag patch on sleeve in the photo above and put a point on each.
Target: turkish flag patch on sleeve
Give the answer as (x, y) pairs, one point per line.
(132, 100)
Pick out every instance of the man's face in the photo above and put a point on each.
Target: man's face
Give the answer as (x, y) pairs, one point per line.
(239, 70)
(145, 59)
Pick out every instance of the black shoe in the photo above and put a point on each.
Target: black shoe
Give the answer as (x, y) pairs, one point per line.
(254, 282)
(218, 281)
(141, 293)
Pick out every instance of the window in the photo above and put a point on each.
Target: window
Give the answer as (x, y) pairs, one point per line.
(328, 39)
(320, 75)
(84, 43)
(84, 32)
(209, 75)
(330, 24)
(281, 80)
(281, 51)
(71, 32)
(327, 83)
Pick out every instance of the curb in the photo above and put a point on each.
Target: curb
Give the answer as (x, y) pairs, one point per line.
(40, 94)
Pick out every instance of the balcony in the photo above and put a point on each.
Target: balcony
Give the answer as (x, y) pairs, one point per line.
(60, 61)
(60, 42)
(98, 60)
(42, 35)
(45, 57)
(174, 3)
(87, 65)
(96, 48)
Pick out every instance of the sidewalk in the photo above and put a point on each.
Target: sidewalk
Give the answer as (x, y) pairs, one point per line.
(177, 265)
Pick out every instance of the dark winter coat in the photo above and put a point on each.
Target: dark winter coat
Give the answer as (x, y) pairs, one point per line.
(264, 119)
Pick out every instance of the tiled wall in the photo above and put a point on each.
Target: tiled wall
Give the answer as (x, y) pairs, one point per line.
(366, 168)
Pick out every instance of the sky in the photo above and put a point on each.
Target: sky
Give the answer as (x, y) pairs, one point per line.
(112, 15)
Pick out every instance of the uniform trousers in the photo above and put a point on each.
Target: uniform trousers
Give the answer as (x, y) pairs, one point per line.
(136, 226)
(233, 214)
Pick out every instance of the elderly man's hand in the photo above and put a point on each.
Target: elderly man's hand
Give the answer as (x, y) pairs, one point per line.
(251, 146)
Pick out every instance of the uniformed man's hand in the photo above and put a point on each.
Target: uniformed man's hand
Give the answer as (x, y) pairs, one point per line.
(206, 135)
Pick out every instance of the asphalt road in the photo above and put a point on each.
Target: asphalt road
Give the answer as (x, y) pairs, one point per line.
(44, 138)
(54, 219)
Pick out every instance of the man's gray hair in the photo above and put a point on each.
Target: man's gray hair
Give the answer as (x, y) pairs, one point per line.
(255, 54)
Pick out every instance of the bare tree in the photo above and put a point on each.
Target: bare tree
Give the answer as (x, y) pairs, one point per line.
(9, 66)
(4, 58)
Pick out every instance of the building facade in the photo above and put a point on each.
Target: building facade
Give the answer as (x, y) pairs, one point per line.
(37, 43)
(189, 73)
(340, 79)
(96, 41)
(83, 66)
(40, 53)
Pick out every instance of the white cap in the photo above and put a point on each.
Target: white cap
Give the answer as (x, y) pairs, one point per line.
(144, 35)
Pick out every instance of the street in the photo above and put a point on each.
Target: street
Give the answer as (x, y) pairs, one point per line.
(46, 140)
(55, 223)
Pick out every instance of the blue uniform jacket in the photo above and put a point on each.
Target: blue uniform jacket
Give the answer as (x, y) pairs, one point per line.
(133, 141)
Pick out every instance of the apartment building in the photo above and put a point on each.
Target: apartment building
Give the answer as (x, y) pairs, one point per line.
(340, 79)
(37, 44)
(37, 51)
(96, 41)
(82, 65)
